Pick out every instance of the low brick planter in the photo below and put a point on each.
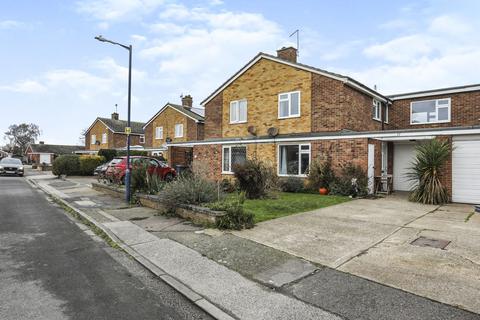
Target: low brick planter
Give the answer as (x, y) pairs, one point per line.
(196, 214)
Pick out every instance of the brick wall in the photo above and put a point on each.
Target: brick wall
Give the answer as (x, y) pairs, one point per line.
(209, 158)
(98, 129)
(446, 170)
(341, 152)
(465, 111)
(336, 106)
(213, 117)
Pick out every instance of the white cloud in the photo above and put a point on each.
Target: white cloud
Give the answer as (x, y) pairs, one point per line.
(402, 49)
(117, 10)
(168, 28)
(25, 86)
(449, 25)
(10, 24)
(138, 38)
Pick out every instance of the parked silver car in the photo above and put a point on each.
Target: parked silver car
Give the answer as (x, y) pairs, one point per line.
(11, 166)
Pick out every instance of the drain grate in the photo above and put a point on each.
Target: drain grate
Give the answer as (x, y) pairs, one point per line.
(432, 243)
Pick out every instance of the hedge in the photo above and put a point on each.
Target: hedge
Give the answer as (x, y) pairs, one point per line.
(74, 165)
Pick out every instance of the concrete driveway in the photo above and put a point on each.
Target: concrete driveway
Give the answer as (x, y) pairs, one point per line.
(372, 239)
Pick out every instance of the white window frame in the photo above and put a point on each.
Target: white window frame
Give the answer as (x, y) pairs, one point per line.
(289, 99)
(180, 134)
(93, 139)
(300, 152)
(437, 106)
(142, 139)
(236, 105)
(158, 130)
(230, 157)
(378, 110)
(386, 113)
(104, 138)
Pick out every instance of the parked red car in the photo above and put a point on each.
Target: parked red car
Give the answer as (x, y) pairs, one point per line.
(117, 167)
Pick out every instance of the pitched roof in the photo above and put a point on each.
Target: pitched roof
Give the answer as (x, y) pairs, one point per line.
(119, 126)
(426, 93)
(54, 148)
(347, 80)
(186, 111)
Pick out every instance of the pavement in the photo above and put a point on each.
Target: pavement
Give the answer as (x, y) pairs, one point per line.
(373, 239)
(234, 275)
(52, 267)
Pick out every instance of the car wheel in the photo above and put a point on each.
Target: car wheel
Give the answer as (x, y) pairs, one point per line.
(20, 175)
(168, 177)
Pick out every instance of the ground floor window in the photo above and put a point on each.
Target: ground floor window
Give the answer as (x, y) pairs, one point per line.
(232, 156)
(294, 159)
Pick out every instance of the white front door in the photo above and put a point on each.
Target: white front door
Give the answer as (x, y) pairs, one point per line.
(45, 158)
(371, 167)
(403, 156)
(466, 170)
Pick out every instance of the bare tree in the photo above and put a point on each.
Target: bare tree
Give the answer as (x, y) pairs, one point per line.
(20, 135)
(81, 138)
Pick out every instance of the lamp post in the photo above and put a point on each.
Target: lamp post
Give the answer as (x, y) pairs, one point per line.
(127, 130)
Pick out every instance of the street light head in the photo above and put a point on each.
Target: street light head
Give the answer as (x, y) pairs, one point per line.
(100, 38)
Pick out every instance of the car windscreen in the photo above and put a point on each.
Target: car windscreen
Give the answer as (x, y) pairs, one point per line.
(10, 161)
(115, 161)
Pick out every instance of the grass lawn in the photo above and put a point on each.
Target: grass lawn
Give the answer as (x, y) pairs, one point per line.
(289, 203)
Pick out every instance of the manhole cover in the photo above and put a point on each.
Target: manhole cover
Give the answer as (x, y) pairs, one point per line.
(432, 243)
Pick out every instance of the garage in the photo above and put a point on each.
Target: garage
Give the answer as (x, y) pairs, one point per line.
(45, 158)
(466, 169)
(403, 155)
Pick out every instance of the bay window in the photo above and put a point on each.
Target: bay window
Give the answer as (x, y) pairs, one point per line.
(232, 156)
(289, 105)
(430, 111)
(294, 159)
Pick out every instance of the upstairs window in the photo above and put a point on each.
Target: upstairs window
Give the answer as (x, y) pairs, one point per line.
(159, 133)
(232, 156)
(377, 110)
(104, 138)
(93, 139)
(289, 105)
(142, 139)
(385, 114)
(430, 111)
(178, 130)
(238, 111)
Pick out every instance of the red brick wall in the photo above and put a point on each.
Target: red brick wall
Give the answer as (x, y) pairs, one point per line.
(179, 156)
(465, 111)
(336, 106)
(117, 140)
(342, 152)
(213, 117)
(195, 130)
(446, 170)
(208, 157)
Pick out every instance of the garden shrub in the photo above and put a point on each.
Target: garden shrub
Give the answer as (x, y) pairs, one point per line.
(108, 154)
(154, 184)
(352, 181)
(426, 170)
(236, 216)
(320, 175)
(138, 177)
(228, 186)
(193, 189)
(66, 165)
(255, 178)
(292, 184)
(88, 163)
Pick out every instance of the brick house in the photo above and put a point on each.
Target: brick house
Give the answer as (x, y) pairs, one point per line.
(39, 153)
(289, 114)
(109, 133)
(172, 124)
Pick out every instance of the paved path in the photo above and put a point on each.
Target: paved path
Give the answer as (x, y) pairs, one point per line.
(51, 269)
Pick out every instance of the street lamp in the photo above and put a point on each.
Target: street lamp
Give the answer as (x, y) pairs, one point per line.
(127, 172)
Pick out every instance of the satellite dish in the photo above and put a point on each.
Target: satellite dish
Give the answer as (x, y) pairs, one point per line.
(168, 140)
(252, 130)
(272, 132)
(97, 143)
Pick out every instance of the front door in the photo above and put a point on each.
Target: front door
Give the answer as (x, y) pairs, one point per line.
(371, 168)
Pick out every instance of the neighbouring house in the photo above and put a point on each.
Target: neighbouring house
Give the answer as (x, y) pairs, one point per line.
(109, 133)
(41, 153)
(171, 124)
(290, 114)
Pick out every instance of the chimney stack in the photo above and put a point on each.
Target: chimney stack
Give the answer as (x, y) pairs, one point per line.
(289, 54)
(187, 101)
(114, 116)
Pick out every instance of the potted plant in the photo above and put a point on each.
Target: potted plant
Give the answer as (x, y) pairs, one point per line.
(323, 191)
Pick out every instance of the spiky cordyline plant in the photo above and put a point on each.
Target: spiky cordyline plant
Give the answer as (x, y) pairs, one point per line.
(430, 158)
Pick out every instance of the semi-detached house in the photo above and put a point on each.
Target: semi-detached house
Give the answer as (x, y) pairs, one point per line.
(288, 114)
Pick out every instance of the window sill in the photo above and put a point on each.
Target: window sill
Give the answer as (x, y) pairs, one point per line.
(227, 172)
(379, 120)
(238, 122)
(436, 122)
(290, 117)
(293, 175)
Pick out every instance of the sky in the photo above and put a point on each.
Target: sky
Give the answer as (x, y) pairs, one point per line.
(54, 74)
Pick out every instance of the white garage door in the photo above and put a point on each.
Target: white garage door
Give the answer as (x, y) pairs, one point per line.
(45, 158)
(403, 155)
(466, 170)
